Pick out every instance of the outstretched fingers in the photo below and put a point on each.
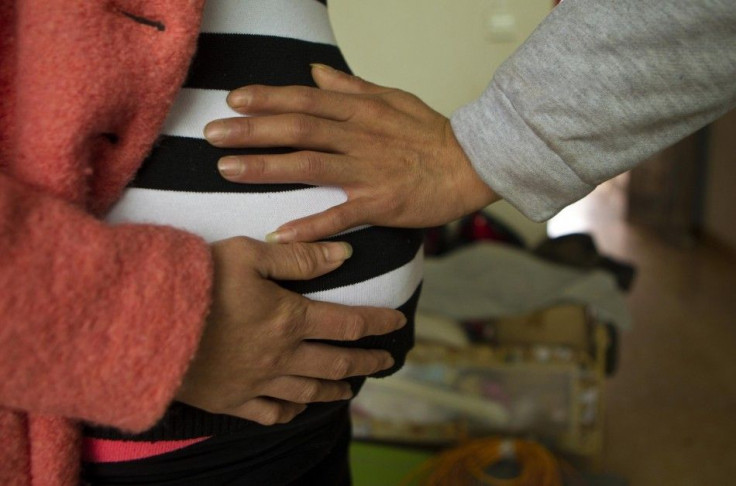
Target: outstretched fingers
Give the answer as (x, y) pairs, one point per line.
(337, 219)
(331, 100)
(299, 261)
(331, 79)
(283, 398)
(282, 130)
(272, 100)
(328, 362)
(337, 322)
(306, 167)
(298, 389)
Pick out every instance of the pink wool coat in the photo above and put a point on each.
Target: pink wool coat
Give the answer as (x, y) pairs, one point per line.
(97, 323)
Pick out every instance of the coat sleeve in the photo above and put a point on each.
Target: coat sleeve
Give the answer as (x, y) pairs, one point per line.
(98, 322)
(597, 88)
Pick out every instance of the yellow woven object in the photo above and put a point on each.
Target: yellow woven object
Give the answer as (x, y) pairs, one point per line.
(466, 465)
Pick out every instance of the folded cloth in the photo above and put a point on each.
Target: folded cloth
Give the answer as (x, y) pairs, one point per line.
(487, 280)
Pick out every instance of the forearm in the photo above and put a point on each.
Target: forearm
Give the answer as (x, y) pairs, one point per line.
(597, 88)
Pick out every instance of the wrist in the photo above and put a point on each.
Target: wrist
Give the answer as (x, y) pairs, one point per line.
(473, 192)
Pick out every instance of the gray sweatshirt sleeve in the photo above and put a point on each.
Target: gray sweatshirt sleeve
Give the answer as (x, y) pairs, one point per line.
(599, 86)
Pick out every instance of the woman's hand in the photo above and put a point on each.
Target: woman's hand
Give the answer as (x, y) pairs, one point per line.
(397, 159)
(257, 359)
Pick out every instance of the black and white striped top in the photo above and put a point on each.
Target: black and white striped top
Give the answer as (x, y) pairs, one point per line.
(262, 42)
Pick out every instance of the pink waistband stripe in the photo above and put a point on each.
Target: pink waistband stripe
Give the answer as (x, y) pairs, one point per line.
(104, 450)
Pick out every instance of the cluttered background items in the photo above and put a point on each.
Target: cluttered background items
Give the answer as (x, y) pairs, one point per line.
(513, 344)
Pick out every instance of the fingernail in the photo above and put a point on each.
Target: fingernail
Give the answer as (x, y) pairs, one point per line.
(216, 131)
(238, 99)
(230, 166)
(388, 363)
(337, 252)
(284, 235)
(324, 67)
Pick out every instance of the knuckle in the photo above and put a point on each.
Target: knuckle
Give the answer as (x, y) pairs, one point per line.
(413, 160)
(258, 252)
(374, 107)
(340, 218)
(240, 248)
(257, 166)
(240, 242)
(306, 258)
(242, 98)
(288, 326)
(402, 99)
(288, 330)
(269, 414)
(243, 128)
(298, 258)
(308, 101)
(355, 328)
(301, 126)
(311, 163)
(377, 362)
(308, 393)
(259, 96)
(393, 204)
(407, 97)
(271, 363)
(341, 368)
(254, 92)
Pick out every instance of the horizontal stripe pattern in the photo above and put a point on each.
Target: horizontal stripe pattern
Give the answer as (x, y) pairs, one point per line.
(179, 185)
(376, 251)
(269, 42)
(296, 19)
(216, 216)
(226, 62)
(195, 108)
(386, 290)
(190, 164)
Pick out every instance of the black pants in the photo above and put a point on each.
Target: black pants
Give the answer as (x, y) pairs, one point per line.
(334, 470)
(320, 459)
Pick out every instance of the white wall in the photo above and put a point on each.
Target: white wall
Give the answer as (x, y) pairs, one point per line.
(444, 51)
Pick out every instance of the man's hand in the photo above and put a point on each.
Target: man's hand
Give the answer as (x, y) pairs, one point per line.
(397, 159)
(255, 359)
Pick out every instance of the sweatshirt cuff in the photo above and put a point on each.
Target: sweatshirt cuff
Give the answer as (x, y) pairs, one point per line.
(510, 157)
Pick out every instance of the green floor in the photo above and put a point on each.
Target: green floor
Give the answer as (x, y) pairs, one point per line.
(380, 465)
(375, 465)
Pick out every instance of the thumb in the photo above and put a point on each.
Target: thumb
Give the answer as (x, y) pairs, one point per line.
(330, 79)
(302, 261)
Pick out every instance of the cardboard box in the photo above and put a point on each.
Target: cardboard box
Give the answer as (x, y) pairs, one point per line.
(565, 325)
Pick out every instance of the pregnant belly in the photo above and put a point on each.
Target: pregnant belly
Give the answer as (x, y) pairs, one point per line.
(272, 43)
(386, 267)
(385, 270)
